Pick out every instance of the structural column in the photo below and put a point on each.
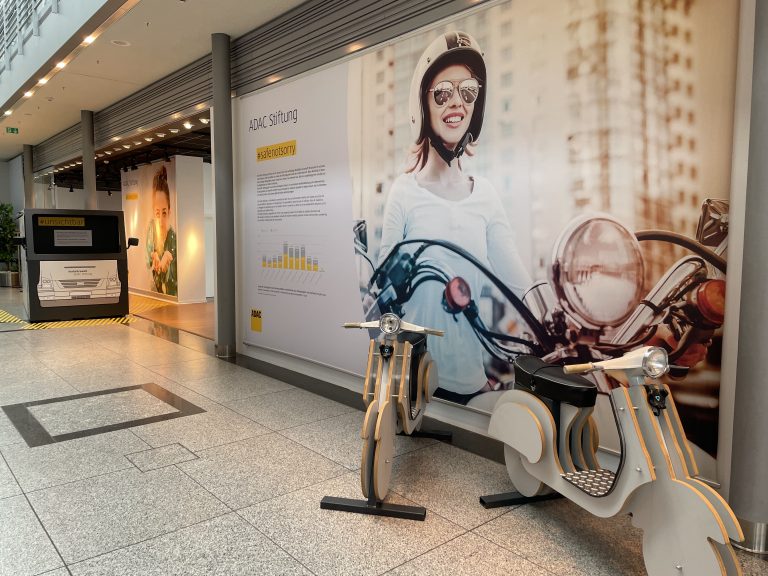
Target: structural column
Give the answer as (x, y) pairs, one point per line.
(89, 161)
(749, 466)
(226, 333)
(29, 181)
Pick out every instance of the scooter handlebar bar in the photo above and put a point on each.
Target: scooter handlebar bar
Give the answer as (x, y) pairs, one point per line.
(580, 368)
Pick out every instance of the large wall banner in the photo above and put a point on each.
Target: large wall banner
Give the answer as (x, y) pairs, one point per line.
(540, 178)
(149, 204)
(294, 170)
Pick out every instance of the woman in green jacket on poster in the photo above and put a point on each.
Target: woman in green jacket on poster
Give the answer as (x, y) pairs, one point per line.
(161, 237)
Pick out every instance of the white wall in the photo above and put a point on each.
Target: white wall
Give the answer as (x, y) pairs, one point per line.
(16, 182)
(5, 192)
(209, 213)
(77, 199)
(190, 229)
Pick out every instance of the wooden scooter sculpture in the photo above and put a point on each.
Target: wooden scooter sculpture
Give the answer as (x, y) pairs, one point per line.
(550, 443)
(399, 380)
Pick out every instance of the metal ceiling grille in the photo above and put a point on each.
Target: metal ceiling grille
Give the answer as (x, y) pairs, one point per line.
(315, 33)
(181, 90)
(66, 144)
(320, 31)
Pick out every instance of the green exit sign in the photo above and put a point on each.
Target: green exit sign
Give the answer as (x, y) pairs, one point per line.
(11, 130)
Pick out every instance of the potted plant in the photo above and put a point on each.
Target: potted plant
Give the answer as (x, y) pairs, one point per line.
(9, 276)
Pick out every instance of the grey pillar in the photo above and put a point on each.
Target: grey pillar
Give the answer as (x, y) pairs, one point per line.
(749, 465)
(226, 334)
(89, 162)
(29, 179)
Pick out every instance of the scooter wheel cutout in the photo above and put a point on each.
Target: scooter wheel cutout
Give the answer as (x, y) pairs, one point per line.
(385, 450)
(524, 483)
(674, 547)
(369, 447)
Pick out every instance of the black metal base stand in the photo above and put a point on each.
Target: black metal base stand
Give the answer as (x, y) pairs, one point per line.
(373, 507)
(513, 499)
(434, 434)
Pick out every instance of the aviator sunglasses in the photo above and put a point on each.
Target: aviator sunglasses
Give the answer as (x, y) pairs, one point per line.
(469, 90)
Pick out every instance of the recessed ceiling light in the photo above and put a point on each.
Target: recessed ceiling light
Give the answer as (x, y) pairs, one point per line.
(121, 43)
(137, 143)
(187, 124)
(28, 94)
(89, 40)
(272, 79)
(108, 152)
(126, 146)
(148, 139)
(173, 130)
(8, 112)
(79, 163)
(205, 120)
(100, 155)
(161, 134)
(42, 81)
(116, 149)
(115, 138)
(61, 65)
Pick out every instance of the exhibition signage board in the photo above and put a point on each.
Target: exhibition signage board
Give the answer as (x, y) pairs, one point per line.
(577, 150)
(299, 279)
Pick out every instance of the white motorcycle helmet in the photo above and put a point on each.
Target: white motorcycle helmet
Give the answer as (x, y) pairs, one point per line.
(446, 49)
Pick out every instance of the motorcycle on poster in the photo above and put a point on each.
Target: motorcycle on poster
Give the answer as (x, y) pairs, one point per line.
(592, 306)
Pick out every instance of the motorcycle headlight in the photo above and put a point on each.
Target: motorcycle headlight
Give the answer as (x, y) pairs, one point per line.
(597, 271)
(655, 362)
(389, 323)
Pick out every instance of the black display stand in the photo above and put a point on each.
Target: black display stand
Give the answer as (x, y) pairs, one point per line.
(513, 499)
(372, 506)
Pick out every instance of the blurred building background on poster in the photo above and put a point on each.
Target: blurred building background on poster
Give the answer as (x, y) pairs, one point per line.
(618, 106)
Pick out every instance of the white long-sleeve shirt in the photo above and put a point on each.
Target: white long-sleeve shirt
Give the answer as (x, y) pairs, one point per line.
(479, 225)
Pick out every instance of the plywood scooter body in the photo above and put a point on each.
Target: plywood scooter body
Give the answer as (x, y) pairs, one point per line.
(687, 526)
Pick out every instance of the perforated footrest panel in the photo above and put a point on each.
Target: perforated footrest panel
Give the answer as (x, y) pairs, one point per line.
(593, 482)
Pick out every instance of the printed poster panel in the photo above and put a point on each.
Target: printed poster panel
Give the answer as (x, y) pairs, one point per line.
(149, 204)
(299, 277)
(586, 215)
(78, 283)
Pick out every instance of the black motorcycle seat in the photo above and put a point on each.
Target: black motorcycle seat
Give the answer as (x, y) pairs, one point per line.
(549, 380)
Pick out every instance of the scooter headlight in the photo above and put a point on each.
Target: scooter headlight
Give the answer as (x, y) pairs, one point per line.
(597, 271)
(389, 323)
(655, 362)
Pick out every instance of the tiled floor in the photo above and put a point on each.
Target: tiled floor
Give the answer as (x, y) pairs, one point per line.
(235, 490)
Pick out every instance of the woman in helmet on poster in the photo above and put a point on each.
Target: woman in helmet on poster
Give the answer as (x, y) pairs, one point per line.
(437, 199)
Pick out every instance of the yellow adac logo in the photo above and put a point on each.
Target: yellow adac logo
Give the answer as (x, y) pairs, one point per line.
(255, 320)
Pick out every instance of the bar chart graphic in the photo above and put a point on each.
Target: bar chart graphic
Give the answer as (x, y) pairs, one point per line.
(293, 256)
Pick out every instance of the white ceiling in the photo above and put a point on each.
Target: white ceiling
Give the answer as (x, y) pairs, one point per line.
(164, 35)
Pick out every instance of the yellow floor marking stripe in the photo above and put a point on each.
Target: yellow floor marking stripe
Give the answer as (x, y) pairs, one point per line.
(138, 304)
(8, 318)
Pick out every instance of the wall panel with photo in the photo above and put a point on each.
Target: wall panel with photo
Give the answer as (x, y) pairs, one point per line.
(586, 215)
